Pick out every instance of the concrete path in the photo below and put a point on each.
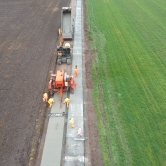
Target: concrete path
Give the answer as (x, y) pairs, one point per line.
(74, 149)
(54, 136)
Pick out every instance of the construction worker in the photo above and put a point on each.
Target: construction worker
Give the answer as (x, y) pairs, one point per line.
(71, 122)
(52, 76)
(50, 102)
(45, 97)
(51, 72)
(76, 71)
(79, 133)
(67, 101)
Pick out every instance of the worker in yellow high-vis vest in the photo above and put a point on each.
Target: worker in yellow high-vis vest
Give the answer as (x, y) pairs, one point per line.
(71, 122)
(50, 102)
(67, 101)
(45, 97)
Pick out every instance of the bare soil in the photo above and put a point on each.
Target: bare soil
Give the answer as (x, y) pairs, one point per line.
(28, 35)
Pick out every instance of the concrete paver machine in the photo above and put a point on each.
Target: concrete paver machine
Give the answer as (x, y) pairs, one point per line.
(61, 82)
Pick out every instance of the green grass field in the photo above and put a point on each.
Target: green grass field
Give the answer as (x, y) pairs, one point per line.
(129, 78)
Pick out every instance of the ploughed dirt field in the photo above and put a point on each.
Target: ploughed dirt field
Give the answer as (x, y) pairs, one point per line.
(28, 39)
(28, 35)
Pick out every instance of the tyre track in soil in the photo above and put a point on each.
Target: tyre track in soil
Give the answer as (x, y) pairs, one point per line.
(28, 34)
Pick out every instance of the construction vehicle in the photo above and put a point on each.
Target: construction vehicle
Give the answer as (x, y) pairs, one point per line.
(63, 51)
(61, 82)
(64, 55)
(65, 33)
(67, 26)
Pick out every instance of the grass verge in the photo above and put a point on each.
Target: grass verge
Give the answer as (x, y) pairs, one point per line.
(129, 79)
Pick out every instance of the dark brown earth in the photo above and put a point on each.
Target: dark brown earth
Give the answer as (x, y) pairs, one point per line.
(28, 35)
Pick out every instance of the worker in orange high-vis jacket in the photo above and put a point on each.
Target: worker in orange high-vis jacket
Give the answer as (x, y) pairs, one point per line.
(50, 102)
(71, 122)
(76, 71)
(45, 97)
(67, 101)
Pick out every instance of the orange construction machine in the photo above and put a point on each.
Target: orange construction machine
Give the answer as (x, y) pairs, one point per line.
(61, 82)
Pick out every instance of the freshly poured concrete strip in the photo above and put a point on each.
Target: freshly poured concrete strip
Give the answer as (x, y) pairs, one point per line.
(54, 136)
(74, 150)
